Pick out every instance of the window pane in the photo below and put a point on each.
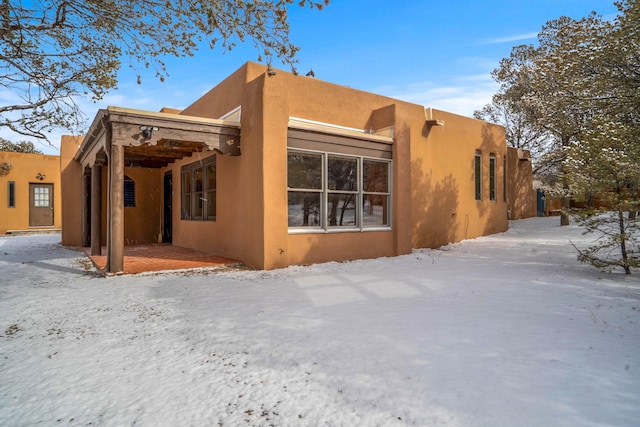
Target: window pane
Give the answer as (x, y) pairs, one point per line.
(342, 210)
(210, 194)
(478, 176)
(211, 176)
(211, 204)
(342, 174)
(304, 171)
(197, 179)
(186, 182)
(186, 206)
(492, 178)
(375, 210)
(504, 179)
(304, 209)
(198, 204)
(12, 194)
(375, 176)
(186, 195)
(41, 197)
(129, 193)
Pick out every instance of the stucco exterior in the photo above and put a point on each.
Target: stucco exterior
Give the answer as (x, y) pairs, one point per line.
(29, 170)
(430, 154)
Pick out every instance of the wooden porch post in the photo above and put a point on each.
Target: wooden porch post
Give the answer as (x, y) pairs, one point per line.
(86, 208)
(96, 210)
(115, 240)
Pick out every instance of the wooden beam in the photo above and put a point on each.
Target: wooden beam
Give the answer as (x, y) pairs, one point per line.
(225, 140)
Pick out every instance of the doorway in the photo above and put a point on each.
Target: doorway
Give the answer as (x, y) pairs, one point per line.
(168, 208)
(40, 205)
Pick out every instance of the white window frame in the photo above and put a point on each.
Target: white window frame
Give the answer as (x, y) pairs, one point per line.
(191, 168)
(324, 191)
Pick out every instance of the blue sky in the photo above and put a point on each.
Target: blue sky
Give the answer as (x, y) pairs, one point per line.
(434, 53)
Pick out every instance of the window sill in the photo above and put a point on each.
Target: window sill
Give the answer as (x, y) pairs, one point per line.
(336, 230)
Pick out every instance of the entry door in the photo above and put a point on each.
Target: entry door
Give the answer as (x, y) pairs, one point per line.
(40, 205)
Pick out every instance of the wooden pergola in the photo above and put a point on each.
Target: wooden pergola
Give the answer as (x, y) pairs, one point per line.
(120, 137)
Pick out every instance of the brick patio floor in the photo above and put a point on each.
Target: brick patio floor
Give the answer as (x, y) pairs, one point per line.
(160, 257)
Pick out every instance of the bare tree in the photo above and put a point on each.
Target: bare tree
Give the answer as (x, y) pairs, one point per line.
(54, 51)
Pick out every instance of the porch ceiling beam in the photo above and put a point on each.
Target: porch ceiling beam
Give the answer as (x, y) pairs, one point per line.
(222, 140)
(188, 133)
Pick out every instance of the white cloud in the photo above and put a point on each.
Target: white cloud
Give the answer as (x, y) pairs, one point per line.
(461, 94)
(513, 38)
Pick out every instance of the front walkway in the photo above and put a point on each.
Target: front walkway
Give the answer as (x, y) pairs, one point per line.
(161, 257)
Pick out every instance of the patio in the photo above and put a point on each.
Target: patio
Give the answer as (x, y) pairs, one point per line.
(161, 257)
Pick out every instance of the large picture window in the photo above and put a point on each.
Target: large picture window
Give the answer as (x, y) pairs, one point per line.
(198, 195)
(333, 192)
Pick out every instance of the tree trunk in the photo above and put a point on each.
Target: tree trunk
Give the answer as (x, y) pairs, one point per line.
(623, 243)
(564, 214)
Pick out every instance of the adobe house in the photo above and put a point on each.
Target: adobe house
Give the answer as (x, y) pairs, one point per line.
(30, 198)
(275, 169)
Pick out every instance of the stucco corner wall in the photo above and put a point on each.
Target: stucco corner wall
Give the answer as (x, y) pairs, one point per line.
(71, 183)
(521, 195)
(238, 231)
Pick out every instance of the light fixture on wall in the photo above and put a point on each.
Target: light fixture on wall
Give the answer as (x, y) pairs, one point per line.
(147, 131)
(40, 176)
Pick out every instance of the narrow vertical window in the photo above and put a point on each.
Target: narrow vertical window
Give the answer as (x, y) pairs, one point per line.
(504, 178)
(478, 175)
(11, 194)
(492, 177)
(129, 193)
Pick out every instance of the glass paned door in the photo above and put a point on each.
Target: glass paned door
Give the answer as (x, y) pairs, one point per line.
(40, 205)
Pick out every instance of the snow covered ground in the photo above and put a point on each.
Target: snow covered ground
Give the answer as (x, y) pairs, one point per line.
(505, 330)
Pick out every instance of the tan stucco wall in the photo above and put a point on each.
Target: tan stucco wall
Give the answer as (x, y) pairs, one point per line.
(443, 181)
(71, 181)
(433, 183)
(522, 196)
(433, 192)
(252, 189)
(238, 231)
(142, 223)
(25, 167)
